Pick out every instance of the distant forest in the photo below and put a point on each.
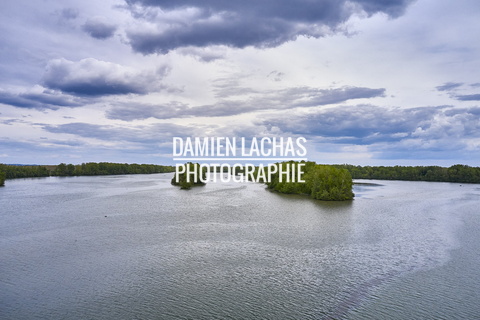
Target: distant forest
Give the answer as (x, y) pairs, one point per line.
(84, 169)
(456, 173)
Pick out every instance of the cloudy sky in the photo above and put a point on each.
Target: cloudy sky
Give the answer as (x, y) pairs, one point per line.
(366, 82)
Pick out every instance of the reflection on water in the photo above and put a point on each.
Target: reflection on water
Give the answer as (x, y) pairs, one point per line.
(136, 247)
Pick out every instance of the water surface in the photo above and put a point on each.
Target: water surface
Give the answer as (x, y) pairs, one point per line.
(135, 247)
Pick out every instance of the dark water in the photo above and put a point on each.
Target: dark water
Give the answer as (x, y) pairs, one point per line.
(134, 247)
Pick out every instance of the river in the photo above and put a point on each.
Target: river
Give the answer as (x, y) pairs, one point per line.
(135, 247)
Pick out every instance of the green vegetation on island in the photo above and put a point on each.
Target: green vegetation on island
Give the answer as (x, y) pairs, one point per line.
(190, 177)
(321, 182)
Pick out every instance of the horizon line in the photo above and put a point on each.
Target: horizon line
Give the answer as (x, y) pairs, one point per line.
(238, 159)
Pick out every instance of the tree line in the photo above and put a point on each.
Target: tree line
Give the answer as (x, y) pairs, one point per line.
(107, 168)
(15, 171)
(456, 173)
(84, 169)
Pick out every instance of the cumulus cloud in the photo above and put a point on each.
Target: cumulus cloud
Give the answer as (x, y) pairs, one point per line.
(448, 134)
(40, 99)
(92, 77)
(366, 124)
(441, 132)
(270, 100)
(243, 23)
(98, 28)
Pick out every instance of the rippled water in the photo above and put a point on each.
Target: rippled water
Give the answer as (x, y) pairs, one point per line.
(134, 247)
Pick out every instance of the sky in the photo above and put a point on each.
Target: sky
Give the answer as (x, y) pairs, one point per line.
(366, 82)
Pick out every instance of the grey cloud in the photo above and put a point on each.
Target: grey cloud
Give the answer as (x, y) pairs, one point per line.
(129, 112)
(459, 123)
(69, 13)
(449, 86)
(364, 124)
(10, 122)
(392, 8)
(270, 100)
(288, 99)
(60, 143)
(468, 97)
(66, 16)
(47, 99)
(307, 97)
(449, 133)
(276, 75)
(98, 28)
(388, 133)
(173, 109)
(145, 134)
(475, 111)
(244, 23)
(91, 77)
(102, 132)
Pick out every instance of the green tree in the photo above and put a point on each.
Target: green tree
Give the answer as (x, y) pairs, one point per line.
(70, 170)
(61, 170)
(2, 178)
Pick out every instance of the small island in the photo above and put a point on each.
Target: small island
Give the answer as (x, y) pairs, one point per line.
(194, 176)
(321, 182)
